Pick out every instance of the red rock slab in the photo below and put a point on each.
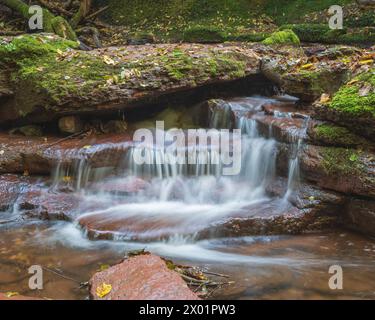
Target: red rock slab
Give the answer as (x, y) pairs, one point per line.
(144, 277)
(3, 297)
(39, 155)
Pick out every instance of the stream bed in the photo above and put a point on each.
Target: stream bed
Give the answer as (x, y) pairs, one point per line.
(192, 214)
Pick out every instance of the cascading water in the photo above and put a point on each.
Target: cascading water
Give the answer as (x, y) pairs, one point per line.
(177, 200)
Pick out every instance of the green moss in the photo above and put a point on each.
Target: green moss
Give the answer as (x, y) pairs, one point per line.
(287, 11)
(286, 36)
(342, 161)
(322, 33)
(336, 135)
(31, 46)
(350, 100)
(204, 34)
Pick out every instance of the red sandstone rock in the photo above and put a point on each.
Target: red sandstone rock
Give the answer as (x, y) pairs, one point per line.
(144, 277)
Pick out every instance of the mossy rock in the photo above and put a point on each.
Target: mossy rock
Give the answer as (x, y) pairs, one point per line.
(204, 34)
(283, 37)
(332, 135)
(140, 38)
(353, 106)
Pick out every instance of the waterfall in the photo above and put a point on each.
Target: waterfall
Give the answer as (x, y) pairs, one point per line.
(294, 169)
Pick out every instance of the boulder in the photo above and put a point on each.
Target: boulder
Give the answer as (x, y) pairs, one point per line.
(143, 277)
(70, 124)
(349, 171)
(360, 216)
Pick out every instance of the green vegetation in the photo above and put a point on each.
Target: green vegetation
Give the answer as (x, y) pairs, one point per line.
(31, 46)
(203, 34)
(241, 20)
(336, 135)
(342, 161)
(322, 33)
(287, 11)
(49, 66)
(357, 98)
(282, 37)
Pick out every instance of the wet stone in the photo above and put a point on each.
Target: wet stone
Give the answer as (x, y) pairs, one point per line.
(143, 277)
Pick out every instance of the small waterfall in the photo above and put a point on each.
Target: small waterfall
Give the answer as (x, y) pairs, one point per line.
(294, 169)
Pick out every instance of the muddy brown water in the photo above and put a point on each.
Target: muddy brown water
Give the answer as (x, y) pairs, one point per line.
(263, 267)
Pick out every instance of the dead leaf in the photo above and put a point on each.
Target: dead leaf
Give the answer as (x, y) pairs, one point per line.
(109, 61)
(325, 98)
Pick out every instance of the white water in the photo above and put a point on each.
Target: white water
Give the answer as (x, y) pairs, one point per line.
(180, 200)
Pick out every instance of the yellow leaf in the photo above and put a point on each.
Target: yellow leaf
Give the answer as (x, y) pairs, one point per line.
(352, 82)
(103, 267)
(108, 60)
(67, 179)
(87, 147)
(11, 294)
(307, 66)
(363, 62)
(103, 290)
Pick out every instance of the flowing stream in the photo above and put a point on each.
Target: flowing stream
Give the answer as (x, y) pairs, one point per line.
(175, 209)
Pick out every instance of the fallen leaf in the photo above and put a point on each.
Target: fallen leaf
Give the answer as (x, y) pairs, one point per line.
(109, 60)
(307, 66)
(352, 82)
(11, 294)
(325, 98)
(103, 290)
(103, 267)
(363, 62)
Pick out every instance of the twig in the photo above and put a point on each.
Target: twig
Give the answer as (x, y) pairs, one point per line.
(61, 275)
(205, 282)
(216, 274)
(93, 15)
(74, 135)
(55, 8)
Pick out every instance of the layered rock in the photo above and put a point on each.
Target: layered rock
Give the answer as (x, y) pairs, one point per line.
(41, 155)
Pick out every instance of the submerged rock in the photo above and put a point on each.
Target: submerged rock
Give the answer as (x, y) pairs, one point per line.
(11, 187)
(143, 277)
